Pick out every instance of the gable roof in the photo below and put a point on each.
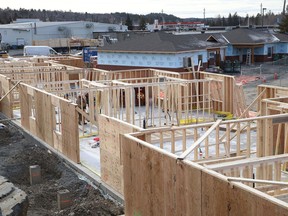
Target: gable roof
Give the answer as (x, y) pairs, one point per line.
(249, 36)
(282, 37)
(162, 42)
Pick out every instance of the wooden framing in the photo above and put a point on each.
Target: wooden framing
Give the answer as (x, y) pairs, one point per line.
(163, 166)
(111, 132)
(221, 85)
(247, 168)
(51, 119)
(184, 188)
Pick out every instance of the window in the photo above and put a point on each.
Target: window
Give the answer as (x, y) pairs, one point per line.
(200, 60)
(212, 55)
(270, 52)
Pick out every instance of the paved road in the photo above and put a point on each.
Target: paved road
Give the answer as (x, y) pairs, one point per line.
(15, 53)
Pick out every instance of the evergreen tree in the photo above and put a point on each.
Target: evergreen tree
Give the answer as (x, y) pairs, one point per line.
(230, 20)
(235, 19)
(142, 23)
(247, 20)
(129, 23)
(218, 21)
(283, 26)
(258, 19)
(224, 21)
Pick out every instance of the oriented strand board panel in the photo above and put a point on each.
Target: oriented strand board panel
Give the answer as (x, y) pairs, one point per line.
(139, 183)
(111, 170)
(156, 184)
(24, 106)
(43, 125)
(40, 113)
(6, 103)
(221, 198)
(48, 119)
(69, 130)
(110, 131)
(215, 199)
(227, 86)
(188, 192)
(239, 101)
(75, 62)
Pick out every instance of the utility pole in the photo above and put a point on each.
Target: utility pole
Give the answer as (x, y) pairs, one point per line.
(284, 7)
(163, 20)
(204, 15)
(262, 15)
(248, 20)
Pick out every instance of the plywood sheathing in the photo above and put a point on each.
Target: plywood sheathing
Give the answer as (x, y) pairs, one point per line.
(225, 85)
(6, 104)
(223, 160)
(175, 189)
(239, 102)
(156, 183)
(111, 131)
(50, 118)
(75, 62)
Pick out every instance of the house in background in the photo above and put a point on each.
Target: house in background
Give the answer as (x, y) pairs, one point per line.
(167, 51)
(281, 48)
(24, 32)
(251, 45)
(164, 51)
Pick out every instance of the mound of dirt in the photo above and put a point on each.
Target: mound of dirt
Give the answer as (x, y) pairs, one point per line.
(17, 154)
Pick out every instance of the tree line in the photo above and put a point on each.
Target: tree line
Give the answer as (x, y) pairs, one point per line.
(133, 21)
(8, 15)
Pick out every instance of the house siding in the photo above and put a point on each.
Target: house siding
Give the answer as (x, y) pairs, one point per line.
(281, 48)
(152, 60)
(28, 32)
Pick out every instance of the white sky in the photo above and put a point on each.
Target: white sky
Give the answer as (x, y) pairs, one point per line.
(180, 8)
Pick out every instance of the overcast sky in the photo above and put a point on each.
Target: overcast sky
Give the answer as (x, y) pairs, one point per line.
(180, 8)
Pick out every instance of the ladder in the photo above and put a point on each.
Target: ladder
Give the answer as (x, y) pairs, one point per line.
(248, 57)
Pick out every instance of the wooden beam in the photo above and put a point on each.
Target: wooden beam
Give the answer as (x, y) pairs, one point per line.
(278, 138)
(244, 112)
(270, 187)
(205, 162)
(257, 181)
(200, 140)
(249, 161)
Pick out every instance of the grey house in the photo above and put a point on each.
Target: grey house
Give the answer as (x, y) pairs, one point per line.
(251, 45)
(164, 51)
(178, 52)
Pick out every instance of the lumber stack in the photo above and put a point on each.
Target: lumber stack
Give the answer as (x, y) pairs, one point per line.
(13, 201)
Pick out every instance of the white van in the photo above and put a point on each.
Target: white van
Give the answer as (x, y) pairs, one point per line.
(39, 51)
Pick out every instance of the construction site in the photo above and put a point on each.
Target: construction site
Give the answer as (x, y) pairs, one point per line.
(159, 142)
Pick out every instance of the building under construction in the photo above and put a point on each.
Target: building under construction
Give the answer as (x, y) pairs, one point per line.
(170, 143)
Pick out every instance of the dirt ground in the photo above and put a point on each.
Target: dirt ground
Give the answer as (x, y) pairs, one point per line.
(270, 74)
(17, 154)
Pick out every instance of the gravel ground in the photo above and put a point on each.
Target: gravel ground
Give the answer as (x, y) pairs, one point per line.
(268, 74)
